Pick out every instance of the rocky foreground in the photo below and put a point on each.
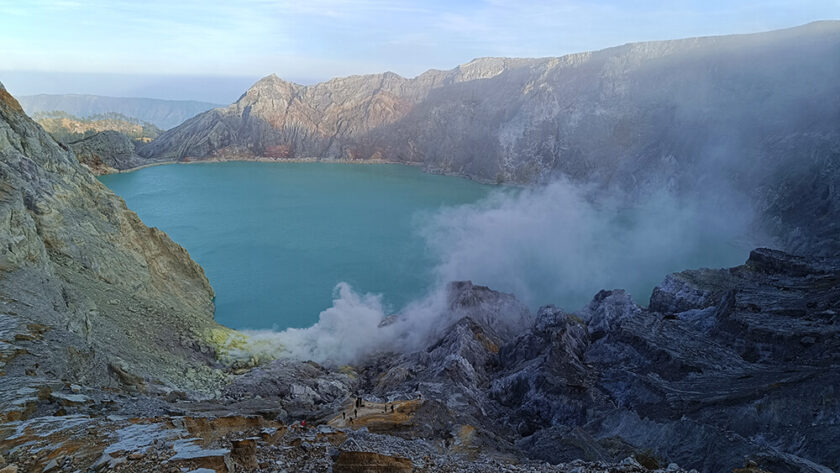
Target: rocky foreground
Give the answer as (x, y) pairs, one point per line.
(724, 369)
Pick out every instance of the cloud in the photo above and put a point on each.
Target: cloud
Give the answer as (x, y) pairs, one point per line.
(327, 38)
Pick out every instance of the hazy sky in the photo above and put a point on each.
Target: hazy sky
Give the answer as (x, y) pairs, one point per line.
(312, 40)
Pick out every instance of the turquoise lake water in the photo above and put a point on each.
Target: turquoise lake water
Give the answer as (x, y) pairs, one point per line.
(275, 238)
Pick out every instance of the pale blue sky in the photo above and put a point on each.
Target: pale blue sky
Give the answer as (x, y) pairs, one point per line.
(311, 40)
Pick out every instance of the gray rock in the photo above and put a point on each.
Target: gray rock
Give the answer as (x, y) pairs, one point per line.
(69, 246)
(109, 151)
(624, 380)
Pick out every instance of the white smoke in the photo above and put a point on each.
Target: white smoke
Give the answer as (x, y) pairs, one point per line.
(552, 244)
(557, 245)
(345, 331)
(355, 328)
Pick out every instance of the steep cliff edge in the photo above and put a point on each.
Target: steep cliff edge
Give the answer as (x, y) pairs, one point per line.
(88, 293)
(754, 114)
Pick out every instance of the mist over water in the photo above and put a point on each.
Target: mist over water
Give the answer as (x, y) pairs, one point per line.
(555, 244)
(561, 243)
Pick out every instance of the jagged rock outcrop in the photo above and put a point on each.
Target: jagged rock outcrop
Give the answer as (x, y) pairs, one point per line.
(756, 115)
(724, 368)
(88, 293)
(107, 152)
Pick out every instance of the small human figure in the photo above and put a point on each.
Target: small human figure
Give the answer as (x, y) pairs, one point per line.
(392, 408)
(343, 416)
(356, 412)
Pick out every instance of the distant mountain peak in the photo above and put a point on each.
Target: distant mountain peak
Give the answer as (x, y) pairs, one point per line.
(162, 113)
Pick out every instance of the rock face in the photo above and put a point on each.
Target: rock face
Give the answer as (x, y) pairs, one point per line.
(87, 292)
(720, 358)
(759, 114)
(67, 128)
(722, 366)
(108, 151)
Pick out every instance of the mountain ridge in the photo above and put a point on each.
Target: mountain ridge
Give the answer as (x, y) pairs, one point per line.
(162, 113)
(731, 112)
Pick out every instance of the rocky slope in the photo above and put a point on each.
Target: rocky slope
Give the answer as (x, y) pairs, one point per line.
(162, 113)
(87, 292)
(725, 370)
(67, 128)
(108, 151)
(723, 365)
(104, 143)
(756, 114)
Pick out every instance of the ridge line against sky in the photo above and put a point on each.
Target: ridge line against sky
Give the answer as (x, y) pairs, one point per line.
(307, 42)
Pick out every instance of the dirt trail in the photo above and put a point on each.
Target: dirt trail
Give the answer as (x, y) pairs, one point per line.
(375, 415)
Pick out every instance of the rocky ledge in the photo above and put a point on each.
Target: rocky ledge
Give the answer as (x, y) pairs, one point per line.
(724, 369)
